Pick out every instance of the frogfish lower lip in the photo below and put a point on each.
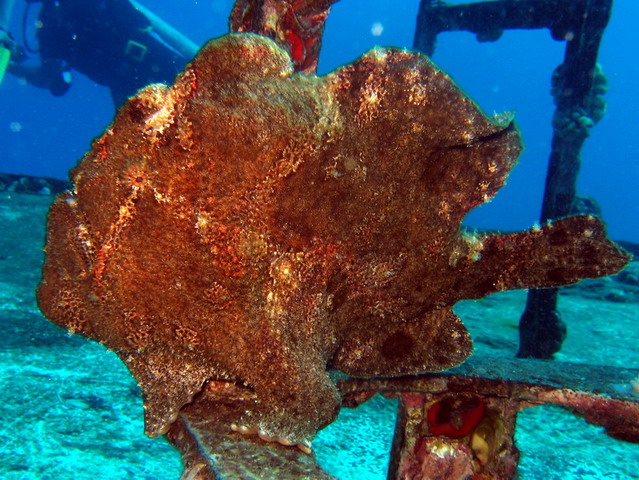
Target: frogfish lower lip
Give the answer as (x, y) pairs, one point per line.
(305, 446)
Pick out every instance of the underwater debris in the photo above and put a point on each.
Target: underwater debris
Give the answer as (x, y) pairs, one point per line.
(474, 438)
(296, 25)
(578, 85)
(234, 236)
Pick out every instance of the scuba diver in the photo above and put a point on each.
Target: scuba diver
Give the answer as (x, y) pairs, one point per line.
(116, 43)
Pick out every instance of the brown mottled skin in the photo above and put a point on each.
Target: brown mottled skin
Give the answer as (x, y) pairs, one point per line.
(240, 233)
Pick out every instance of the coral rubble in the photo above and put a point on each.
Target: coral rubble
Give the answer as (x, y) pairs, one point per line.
(235, 236)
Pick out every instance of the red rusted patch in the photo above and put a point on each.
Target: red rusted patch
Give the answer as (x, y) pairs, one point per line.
(455, 416)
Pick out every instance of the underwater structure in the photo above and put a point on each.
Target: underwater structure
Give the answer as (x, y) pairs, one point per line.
(578, 86)
(244, 235)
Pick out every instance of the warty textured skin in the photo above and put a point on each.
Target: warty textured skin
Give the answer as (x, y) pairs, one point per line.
(237, 235)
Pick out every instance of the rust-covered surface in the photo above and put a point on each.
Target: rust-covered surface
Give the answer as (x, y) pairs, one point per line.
(295, 25)
(212, 451)
(461, 424)
(237, 234)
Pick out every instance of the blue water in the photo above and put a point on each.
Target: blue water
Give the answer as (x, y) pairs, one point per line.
(44, 135)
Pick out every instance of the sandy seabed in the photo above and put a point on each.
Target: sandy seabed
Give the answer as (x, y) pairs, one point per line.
(70, 409)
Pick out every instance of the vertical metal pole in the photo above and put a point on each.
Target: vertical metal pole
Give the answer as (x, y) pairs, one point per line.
(541, 330)
(426, 30)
